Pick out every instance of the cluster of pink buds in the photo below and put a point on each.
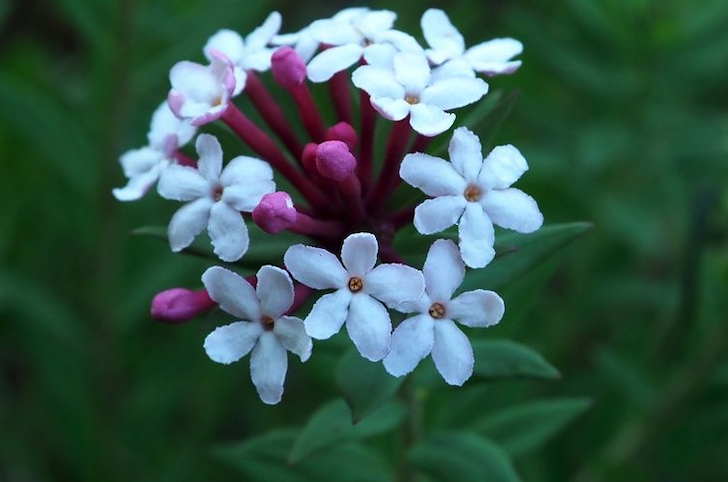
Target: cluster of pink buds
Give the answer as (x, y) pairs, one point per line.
(340, 193)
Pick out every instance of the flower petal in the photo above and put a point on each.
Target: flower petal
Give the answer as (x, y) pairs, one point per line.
(268, 366)
(245, 197)
(444, 271)
(452, 68)
(430, 120)
(375, 22)
(233, 293)
(377, 82)
(503, 166)
(335, 32)
(512, 209)
(188, 222)
(195, 81)
(476, 237)
(244, 169)
(227, 42)
(138, 185)
(335, 59)
(261, 36)
(391, 109)
(275, 291)
(466, 154)
(164, 124)
(431, 175)
(315, 267)
(359, 253)
(454, 92)
(493, 57)
(328, 314)
(394, 283)
(477, 309)
(412, 70)
(452, 353)
(210, 152)
(441, 35)
(412, 341)
(435, 215)
(228, 232)
(369, 327)
(229, 343)
(292, 334)
(182, 183)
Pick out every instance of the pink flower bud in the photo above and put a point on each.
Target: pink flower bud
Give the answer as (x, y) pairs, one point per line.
(288, 68)
(275, 212)
(342, 132)
(177, 305)
(334, 160)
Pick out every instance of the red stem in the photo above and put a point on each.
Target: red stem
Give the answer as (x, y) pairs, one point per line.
(341, 96)
(396, 147)
(402, 218)
(366, 142)
(309, 113)
(421, 143)
(309, 226)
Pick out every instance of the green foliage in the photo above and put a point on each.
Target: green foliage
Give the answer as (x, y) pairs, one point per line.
(508, 359)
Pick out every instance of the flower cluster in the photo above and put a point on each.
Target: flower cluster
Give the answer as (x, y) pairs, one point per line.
(333, 197)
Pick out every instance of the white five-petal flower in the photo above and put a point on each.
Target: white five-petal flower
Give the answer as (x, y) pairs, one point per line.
(400, 84)
(251, 53)
(143, 166)
(217, 197)
(263, 329)
(448, 46)
(361, 288)
(432, 330)
(473, 192)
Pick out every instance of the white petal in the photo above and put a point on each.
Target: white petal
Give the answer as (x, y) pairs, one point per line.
(275, 291)
(412, 71)
(401, 41)
(476, 237)
(435, 215)
(412, 341)
(196, 82)
(292, 335)
(394, 283)
(477, 309)
(182, 183)
(306, 47)
(261, 36)
(359, 253)
(452, 68)
(391, 109)
(378, 56)
(422, 305)
(233, 293)
(259, 60)
(244, 169)
(454, 92)
(377, 82)
(335, 32)
(138, 185)
(139, 161)
(444, 271)
(328, 314)
(268, 366)
(349, 15)
(228, 43)
(369, 327)
(512, 209)
(210, 152)
(503, 166)
(228, 232)
(247, 196)
(431, 175)
(231, 342)
(335, 59)
(466, 154)
(375, 22)
(165, 124)
(188, 222)
(493, 57)
(452, 353)
(315, 267)
(441, 35)
(430, 120)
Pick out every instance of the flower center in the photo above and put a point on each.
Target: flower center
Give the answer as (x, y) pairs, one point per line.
(217, 193)
(267, 322)
(412, 99)
(473, 193)
(437, 311)
(355, 284)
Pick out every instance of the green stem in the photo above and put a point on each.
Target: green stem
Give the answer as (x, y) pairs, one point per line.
(410, 431)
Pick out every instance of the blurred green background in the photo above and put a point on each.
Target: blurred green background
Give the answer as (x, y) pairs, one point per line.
(622, 114)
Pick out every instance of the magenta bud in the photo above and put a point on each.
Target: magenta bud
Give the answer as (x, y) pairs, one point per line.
(275, 212)
(308, 157)
(177, 305)
(342, 132)
(288, 68)
(334, 160)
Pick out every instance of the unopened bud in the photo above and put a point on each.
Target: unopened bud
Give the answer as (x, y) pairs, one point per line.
(334, 160)
(275, 212)
(288, 68)
(177, 305)
(342, 132)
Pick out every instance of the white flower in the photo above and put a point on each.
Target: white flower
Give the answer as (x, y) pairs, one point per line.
(473, 192)
(217, 196)
(251, 53)
(448, 46)
(406, 88)
(143, 166)
(199, 92)
(360, 290)
(263, 329)
(433, 330)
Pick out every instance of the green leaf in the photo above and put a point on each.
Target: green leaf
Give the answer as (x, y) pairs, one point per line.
(263, 459)
(525, 427)
(508, 359)
(366, 386)
(463, 457)
(528, 252)
(331, 425)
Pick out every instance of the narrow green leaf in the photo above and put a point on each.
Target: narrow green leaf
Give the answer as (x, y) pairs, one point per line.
(463, 457)
(525, 427)
(366, 386)
(508, 359)
(331, 425)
